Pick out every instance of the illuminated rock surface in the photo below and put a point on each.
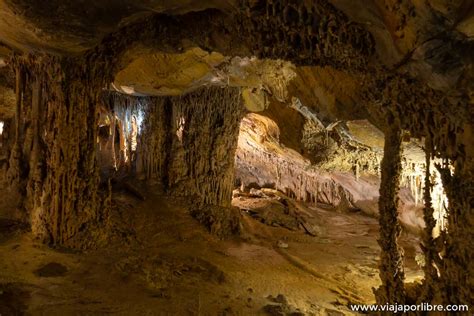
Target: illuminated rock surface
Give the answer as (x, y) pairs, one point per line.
(211, 155)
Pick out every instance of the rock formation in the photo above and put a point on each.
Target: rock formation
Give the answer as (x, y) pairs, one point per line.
(92, 93)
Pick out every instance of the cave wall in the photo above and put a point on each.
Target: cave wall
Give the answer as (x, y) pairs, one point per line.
(272, 29)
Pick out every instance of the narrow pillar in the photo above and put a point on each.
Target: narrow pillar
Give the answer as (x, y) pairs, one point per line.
(154, 145)
(14, 171)
(391, 257)
(429, 247)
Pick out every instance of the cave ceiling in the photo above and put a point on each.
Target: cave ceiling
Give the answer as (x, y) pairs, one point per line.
(202, 45)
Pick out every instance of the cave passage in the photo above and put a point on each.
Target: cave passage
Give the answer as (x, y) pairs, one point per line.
(235, 157)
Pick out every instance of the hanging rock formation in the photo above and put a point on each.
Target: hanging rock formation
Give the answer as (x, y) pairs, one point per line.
(314, 33)
(407, 60)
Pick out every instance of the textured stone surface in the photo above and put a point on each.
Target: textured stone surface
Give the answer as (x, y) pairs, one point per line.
(398, 59)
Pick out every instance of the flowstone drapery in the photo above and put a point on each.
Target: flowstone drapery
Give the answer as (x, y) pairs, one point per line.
(53, 159)
(188, 143)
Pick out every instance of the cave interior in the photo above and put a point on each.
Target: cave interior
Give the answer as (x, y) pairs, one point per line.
(235, 157)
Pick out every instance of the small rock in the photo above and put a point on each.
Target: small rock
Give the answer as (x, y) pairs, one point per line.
(281, 299)
(52, 269)
(273, 310)
(256, 193)
(282, 244)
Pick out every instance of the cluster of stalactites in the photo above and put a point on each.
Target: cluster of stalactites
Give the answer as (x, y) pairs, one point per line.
(307, 33)
(413, 177)
(255, 164)
(121, 117)
(424, 112)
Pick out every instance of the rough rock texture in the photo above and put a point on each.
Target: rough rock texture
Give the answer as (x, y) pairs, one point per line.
(391, 258)
(74, 27)
(410, 60)
(425, 112)
(161, 74)
(455, 283)
(155, 143)
(188, 142)
(309, 33)
(263, 161)
(53, 160)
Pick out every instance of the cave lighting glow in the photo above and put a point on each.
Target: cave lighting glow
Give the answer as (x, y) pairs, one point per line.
(415, 181)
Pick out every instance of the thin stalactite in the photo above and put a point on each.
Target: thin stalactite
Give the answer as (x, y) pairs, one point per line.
(429, 246)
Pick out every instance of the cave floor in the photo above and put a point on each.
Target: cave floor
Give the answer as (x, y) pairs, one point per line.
(162, 262)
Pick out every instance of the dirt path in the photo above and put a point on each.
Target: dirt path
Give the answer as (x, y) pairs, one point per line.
(165, 263)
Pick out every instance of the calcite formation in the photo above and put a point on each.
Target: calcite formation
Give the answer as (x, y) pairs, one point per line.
(261, 161)
(53, 156)
(404, 66)
(424, 113)
(391, 261)
(188, 142)
(308, 33)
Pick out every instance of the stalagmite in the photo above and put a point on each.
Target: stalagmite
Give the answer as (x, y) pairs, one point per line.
(391, 258)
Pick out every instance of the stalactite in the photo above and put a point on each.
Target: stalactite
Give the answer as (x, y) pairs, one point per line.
(125, 109)
(391, 258)
(324, 37)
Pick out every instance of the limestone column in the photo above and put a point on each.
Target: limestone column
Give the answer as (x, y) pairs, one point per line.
(391, 257)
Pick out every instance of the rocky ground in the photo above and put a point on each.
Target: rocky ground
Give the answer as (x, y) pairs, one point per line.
(291, 259)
